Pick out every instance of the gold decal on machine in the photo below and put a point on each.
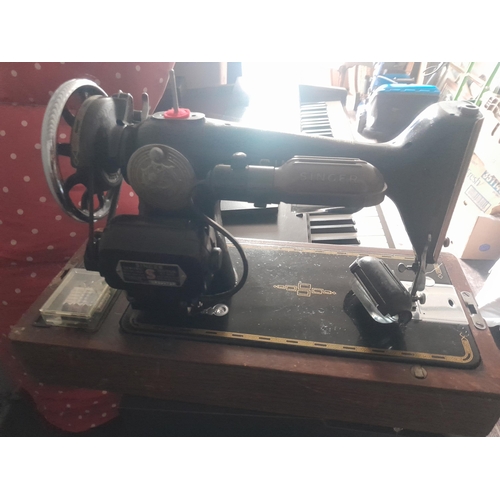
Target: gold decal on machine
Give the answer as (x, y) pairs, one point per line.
(304, 289)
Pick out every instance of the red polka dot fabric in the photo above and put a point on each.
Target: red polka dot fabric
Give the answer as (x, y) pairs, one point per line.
(36, 236)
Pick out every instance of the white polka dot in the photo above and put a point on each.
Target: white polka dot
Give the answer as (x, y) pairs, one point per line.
(13, 156)
(69, 425)
(40, 384)
(24, 123)
(2, 132)
(51, 92)
(43, 199)
(161, 80)
(118, 75)
(37, 66)
(138, 68)
(13, 263)
(93, 425)
(80, 417)
(87, 411)
(20, 211)
(13, 72)
(5, 303)
(13, 242)
(50, 247)
(33, 275)
(30, 99)
(63, 63)
(26, 178)
(61, 414)
(145, 89)
(104, 392)
(131, 194)
(104, 415)
(62, 136)
(29, 259)
(1, 222)
(34, 231)
(113, 406)
(58, 217)
(59, 392)
(38, 146)
(73, 234)
(5, 189)
(13, 357)
(68, 406)
(14, 104)
(17, 290)
(95, 402)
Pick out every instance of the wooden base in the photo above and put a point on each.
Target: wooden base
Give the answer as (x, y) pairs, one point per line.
(382, 393)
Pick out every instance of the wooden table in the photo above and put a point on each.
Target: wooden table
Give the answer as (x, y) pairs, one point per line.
(381, 393)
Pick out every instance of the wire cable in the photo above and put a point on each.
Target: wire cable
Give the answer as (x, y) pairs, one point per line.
(232, 239)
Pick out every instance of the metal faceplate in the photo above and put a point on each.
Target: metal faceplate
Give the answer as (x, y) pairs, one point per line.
(442, 305)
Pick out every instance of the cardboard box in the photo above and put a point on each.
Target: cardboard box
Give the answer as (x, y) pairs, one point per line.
(474, 231)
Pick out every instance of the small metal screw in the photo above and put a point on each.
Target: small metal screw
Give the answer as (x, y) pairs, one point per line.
(220, 310)
(419, 371)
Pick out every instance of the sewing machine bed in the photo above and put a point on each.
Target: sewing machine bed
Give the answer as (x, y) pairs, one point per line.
(387, 391)
(298, 298)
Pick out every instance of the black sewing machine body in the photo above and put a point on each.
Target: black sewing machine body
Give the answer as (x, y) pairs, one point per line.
(172, 259)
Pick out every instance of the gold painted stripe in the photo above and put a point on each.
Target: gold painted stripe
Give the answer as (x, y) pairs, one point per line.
(390, 353)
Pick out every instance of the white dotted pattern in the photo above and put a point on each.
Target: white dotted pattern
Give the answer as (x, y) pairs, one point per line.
(21, 156)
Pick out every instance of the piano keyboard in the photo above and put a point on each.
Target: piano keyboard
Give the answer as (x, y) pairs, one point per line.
(314, 119)
(338, 229)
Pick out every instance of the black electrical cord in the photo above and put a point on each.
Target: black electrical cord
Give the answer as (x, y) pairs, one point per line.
(232, 239)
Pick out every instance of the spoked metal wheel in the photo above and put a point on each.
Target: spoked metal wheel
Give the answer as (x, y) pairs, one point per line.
(78, 90)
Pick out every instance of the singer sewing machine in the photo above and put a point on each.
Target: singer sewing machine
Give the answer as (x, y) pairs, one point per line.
(389, 337)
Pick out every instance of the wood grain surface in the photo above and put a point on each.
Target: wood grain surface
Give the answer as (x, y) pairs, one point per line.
(385, 393)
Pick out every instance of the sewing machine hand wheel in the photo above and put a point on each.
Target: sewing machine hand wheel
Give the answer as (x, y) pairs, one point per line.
(57, 108)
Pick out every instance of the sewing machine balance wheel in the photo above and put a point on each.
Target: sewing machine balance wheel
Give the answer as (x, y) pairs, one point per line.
(70, 103)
